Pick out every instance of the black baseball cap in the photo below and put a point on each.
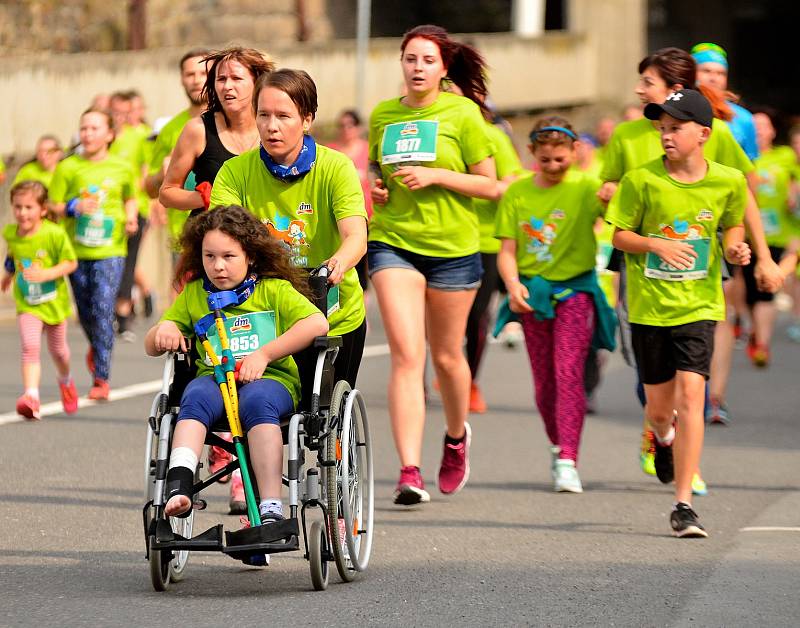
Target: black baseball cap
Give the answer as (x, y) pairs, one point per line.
(684, 104)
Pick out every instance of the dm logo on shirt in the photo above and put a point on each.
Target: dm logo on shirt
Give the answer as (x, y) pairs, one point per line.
(240, 324)
(558, 214)
(705, 215)
(409, 130)
(304, 208)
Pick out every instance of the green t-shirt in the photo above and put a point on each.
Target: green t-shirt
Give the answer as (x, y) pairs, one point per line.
(637, 142)
(653, 204)
(451, 134)
(131, 146)
(111, 181)
(772, 195)
(553, 227)
(33, 171)
(48, 300)
(163, 147)
(274, 307)
(506, 163)
(302, 214)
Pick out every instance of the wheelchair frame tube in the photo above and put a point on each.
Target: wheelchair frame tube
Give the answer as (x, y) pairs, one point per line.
(293, 459)
(164, 431)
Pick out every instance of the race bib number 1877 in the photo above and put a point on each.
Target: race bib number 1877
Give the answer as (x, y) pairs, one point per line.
(405, 142)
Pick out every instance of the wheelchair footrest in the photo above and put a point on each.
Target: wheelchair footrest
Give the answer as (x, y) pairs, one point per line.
(281, 536)
(165, 539)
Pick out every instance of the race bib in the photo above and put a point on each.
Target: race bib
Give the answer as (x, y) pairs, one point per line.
(333, 300)
(94, 229)
(656, 268)
(769, 218)
(35, 293)
(409, 142)
(604, 250)
(246, 333)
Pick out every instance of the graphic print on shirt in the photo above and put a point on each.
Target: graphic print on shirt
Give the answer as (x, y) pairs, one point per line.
(292, 233)
(767, 189)
(657, 268)
(541, 234)
(95, 229)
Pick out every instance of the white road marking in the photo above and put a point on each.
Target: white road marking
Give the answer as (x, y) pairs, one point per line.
(134, 390)
(771, 529)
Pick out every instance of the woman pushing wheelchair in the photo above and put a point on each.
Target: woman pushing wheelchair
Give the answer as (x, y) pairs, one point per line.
(228, 249)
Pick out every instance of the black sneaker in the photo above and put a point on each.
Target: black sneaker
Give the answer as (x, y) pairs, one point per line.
(685, 524)
(663, 462)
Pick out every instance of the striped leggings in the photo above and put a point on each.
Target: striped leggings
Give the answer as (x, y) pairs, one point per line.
(95, 285)
(30, 333)
(557, 349)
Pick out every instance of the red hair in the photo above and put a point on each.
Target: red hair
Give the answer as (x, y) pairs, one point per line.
(465, 66)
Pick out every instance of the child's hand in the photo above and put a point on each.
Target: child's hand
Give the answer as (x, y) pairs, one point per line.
(169, 338)
(606, 192)
(677, 253)
(36, 274)
(88, 205)
(738, 253)
(518, 298)
(379, 194)
(5, 283)
(252, 367)
(131, 226)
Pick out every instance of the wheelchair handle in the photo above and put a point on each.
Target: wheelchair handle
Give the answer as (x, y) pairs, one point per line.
(318, 282)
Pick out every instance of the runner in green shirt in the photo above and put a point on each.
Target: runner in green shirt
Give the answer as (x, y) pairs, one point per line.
(39, 257)
(309, 198)
(193, 76)
(97, 194)
(228, 249)
(547, 256)
(667, 214)
(41, 168)
(432, 154)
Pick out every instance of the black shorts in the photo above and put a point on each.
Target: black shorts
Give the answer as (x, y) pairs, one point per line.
(753, 294)
(662, 351)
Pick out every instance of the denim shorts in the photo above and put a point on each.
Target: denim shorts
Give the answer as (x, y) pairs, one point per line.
(441, 273)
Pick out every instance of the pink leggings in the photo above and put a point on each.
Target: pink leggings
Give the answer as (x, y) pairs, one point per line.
(557, 349)
(30, 332)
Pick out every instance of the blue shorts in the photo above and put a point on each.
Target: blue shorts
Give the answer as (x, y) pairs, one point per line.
(441, 273)
(261, 402)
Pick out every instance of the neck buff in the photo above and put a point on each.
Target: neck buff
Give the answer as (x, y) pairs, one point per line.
(301, 167)
(243, 291)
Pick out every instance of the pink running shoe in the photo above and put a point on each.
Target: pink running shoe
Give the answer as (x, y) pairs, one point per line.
(218, 458)
(237, 504)
(410, 488)
(454, 472)
(28, 407)
(69, 396)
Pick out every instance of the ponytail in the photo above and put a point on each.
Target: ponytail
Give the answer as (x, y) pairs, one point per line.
(716, 98)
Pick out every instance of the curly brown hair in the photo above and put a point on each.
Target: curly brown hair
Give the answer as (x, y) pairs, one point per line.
(267, 256)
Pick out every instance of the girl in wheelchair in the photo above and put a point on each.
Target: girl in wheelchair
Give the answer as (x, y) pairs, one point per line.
(227, 248)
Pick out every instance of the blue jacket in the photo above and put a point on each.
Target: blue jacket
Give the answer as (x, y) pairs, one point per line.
(542, 294)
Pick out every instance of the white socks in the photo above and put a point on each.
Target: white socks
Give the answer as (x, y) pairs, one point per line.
(270, 506)
(667, 440)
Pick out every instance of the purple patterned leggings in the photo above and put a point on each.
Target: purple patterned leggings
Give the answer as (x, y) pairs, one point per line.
(557, 349)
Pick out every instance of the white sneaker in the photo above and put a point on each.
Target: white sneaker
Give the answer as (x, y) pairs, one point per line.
(555, 450)
(566, 478)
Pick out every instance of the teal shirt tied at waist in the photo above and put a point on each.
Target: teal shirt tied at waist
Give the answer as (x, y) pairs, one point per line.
(543, 294)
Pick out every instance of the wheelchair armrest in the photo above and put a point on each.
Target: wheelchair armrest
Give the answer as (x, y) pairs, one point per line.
(327, 342)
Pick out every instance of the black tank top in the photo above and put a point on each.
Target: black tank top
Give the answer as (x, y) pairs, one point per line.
(208, 163)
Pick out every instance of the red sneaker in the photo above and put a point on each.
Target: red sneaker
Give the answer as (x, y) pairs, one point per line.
(218, 459)
(477, 403)
(69, 396)
(28, 407)
(237, 504)
(410, 488)
(454, 472)
(759, 356)
(100, 390)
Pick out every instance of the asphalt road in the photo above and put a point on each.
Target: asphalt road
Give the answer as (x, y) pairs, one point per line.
(505, 551)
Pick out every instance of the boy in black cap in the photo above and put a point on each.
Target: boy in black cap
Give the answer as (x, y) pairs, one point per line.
(667, 214)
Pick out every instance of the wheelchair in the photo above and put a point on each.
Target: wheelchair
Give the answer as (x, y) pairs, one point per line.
(328, 467)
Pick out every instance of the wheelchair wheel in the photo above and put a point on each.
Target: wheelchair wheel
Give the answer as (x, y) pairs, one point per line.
(350, 483)
(317, 563)
(165, 567)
